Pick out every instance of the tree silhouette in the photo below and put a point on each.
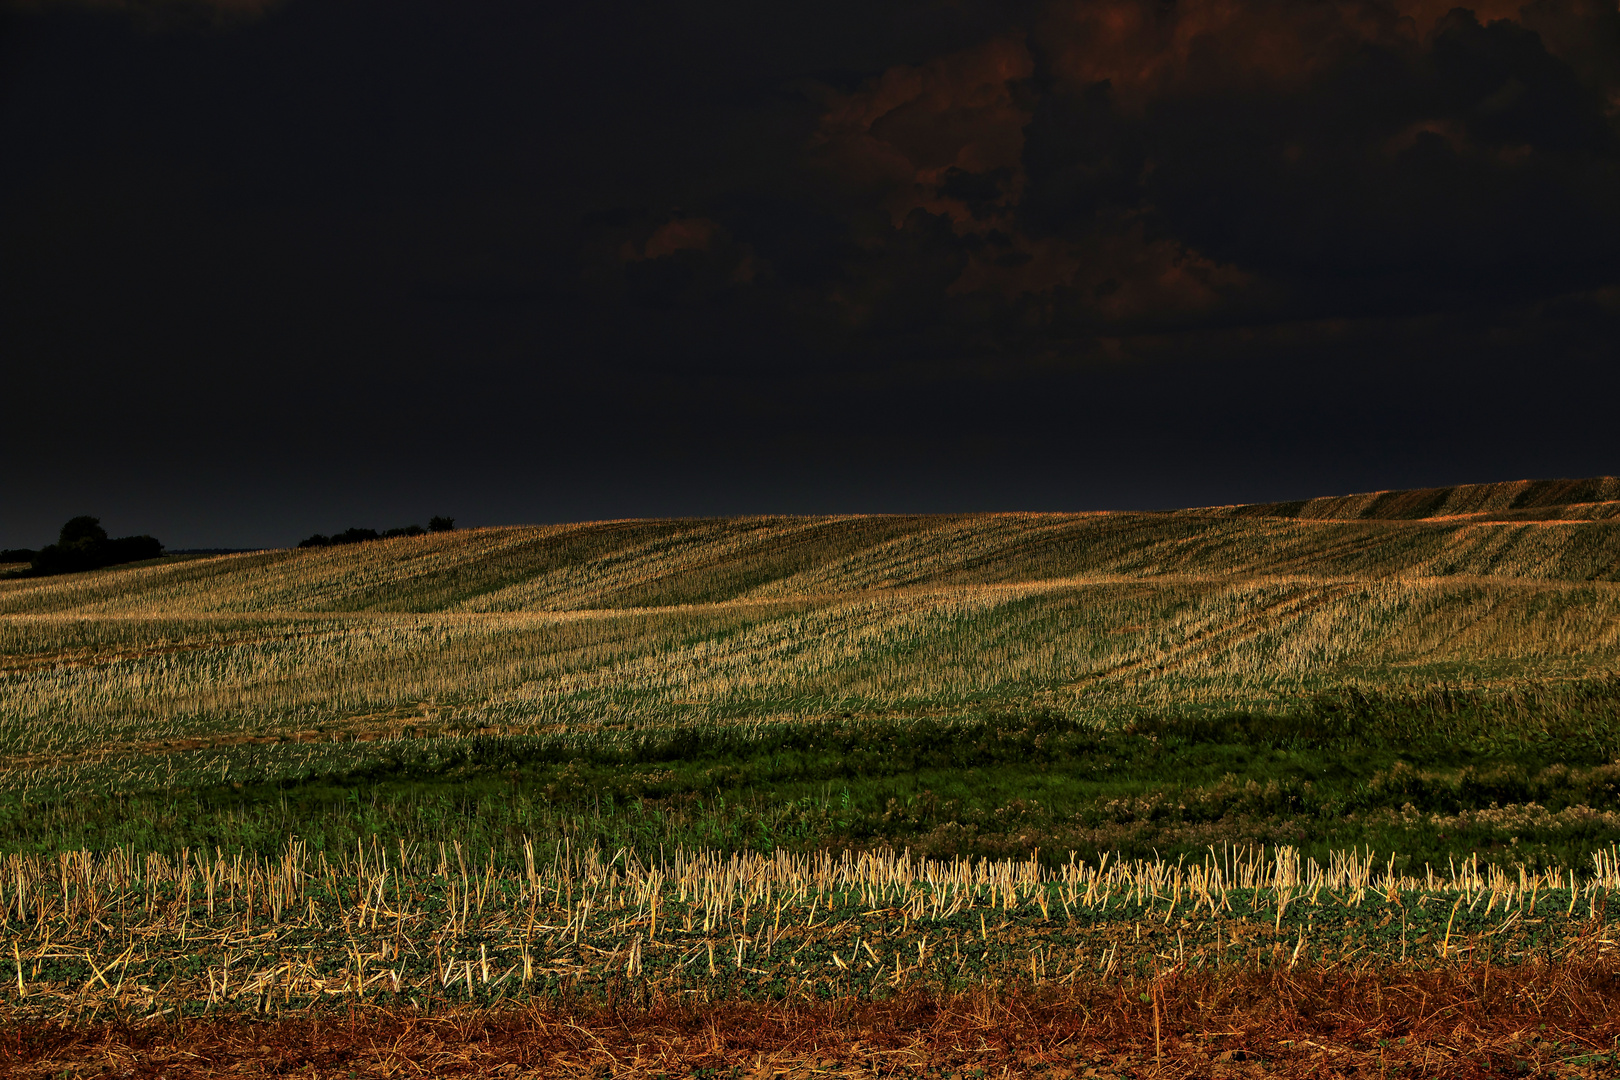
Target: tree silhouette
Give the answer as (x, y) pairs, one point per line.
(84, 545)
(82, 531)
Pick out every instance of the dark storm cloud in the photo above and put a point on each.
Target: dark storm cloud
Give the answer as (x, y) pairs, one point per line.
(325, 255)
(1212, 160)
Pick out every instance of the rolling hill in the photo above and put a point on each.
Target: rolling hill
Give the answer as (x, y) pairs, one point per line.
(596, 625)
(1527, 530)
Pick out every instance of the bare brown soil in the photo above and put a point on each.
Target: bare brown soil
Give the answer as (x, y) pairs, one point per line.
(1483, 1021)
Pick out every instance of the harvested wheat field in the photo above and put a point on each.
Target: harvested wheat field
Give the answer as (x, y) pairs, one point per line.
(1326, 788)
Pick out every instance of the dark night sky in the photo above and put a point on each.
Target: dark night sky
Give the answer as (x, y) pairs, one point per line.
(268, 269)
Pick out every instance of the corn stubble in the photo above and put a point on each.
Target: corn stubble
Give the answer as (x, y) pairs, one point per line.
(589, 964)
(129, 936)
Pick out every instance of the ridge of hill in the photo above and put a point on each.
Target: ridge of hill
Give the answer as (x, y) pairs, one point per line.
(1594, 498)
(1524, 530)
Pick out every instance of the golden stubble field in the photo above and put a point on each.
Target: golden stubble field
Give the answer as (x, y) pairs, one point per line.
(760, 620)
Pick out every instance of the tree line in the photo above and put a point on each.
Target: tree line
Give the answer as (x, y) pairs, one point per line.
(82, 545)
(356, 536)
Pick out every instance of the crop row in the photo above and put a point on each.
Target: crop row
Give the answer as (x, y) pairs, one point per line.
(148, 935)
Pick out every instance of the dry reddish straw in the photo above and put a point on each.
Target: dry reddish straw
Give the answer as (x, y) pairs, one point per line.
(1561, 1019)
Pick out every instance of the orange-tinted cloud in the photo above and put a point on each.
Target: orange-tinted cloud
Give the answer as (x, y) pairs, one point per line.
(1148, 50)
(736, 261)
(1426, 14)
(949, 137)
(681, 234)
(902, 135)
(1117, 276)
(1025, 265)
